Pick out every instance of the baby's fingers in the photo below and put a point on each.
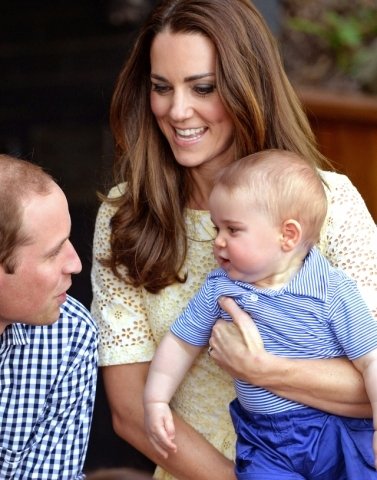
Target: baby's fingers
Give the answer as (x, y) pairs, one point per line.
(159, 427)
(163, 451)
(162, 437)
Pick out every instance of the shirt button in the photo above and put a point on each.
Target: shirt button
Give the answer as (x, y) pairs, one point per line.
(253, 297)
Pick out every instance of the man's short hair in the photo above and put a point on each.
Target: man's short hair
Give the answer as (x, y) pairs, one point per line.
(19, 180)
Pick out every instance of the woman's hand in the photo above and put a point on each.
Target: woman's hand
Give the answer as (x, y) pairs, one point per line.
(333, 384)
(237, 346)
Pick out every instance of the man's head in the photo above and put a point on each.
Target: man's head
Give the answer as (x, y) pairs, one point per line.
(36, 256)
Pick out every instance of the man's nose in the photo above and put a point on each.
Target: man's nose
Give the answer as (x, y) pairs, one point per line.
(72, 264)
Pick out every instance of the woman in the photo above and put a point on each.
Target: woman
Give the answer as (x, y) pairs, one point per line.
(203, 86)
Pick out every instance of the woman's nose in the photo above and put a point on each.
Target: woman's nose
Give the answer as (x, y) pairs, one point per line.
(181, 107)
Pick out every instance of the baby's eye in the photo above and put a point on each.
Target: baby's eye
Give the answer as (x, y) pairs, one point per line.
(232, 229)
(204, 90)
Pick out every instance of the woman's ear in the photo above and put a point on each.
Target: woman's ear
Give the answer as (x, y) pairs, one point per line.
(291, 234)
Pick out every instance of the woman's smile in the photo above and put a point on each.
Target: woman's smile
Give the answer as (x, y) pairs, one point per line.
(189, 134)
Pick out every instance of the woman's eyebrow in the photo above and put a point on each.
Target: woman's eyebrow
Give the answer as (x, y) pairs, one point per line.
(199, 76)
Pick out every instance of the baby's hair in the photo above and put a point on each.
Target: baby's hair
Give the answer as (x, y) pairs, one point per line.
(281, 185)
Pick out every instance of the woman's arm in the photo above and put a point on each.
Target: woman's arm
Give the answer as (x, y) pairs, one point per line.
(367, 365)
(333, 385)
(196, 459)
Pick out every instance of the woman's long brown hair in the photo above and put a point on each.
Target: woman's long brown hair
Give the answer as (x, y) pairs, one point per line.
(148, 234)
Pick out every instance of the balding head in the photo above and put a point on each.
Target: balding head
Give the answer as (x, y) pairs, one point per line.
(18, 181)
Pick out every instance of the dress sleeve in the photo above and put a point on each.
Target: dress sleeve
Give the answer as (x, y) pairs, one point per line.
(118, 308)
(349, 238)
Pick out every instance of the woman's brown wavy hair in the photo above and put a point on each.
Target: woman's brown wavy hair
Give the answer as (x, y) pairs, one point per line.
(148, 233)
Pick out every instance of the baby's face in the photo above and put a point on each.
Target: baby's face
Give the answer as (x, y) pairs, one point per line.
(247, 245)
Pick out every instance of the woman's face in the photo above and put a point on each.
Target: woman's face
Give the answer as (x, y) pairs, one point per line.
(185, 101)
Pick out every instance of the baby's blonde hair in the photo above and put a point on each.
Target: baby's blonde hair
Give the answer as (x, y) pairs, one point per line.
(281, 185)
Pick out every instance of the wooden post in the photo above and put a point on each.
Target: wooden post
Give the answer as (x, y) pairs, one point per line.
(345, 125)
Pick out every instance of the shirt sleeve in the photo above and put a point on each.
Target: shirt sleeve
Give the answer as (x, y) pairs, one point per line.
(195, 324)
(118, 308)
(349, 239)
(350, 318)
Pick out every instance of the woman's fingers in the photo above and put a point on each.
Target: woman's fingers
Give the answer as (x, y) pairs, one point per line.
(248, 330)
(237, 346)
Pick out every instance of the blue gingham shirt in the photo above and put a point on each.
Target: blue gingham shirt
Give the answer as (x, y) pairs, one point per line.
(318, 314)
(47, 387)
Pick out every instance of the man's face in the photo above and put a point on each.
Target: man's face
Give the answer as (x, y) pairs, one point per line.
(43, 267)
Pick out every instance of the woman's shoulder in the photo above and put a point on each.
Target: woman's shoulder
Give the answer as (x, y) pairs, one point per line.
(117, 191)
(336, 180)
(349, 235)
(345, 201)
(109, 203)
(341, 191)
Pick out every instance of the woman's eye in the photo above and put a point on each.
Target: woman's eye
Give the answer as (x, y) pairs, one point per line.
(160, 88)
(204, 89)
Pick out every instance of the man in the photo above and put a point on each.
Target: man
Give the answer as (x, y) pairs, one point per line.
(48, 341)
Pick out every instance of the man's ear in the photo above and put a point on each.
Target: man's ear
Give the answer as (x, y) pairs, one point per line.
(7, 268)
(291, 234)
(2, 274)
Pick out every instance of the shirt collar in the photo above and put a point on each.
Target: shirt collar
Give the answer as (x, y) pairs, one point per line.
(311, 280)
(15, 334)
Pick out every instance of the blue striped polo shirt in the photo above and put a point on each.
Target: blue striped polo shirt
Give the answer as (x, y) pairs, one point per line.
(318, 314)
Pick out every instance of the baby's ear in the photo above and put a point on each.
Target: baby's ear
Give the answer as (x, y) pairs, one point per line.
(291, 234)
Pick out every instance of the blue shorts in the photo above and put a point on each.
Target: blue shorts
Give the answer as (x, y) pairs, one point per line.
(302, 444)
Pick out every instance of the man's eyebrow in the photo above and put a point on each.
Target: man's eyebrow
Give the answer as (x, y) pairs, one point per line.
(57, 247)
(191, 78)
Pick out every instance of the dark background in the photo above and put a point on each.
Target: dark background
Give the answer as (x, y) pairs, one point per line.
(59, 60)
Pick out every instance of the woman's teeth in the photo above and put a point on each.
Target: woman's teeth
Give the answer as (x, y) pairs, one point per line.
(190, 132)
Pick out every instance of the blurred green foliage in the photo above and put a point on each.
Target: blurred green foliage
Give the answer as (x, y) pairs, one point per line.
(348, 37)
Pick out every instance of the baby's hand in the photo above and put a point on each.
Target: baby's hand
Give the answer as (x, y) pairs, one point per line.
(159, 427)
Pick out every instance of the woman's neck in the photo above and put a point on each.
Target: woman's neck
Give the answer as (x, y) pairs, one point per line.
(200, 190)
